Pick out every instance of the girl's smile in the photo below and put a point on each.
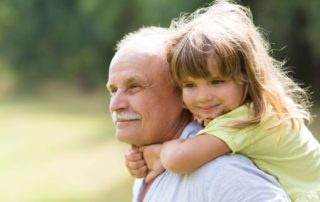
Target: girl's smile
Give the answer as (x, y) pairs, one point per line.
(208, 98)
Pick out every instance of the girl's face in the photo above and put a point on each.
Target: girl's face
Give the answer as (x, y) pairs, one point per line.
(208, 98)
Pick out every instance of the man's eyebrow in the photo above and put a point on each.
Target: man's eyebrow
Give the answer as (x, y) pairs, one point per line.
(132, 80)
(136, 79)
(109, 85)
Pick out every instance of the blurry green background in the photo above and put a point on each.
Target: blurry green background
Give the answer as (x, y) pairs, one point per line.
(56, 135)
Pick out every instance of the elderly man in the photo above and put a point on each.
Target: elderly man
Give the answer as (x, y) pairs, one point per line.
(147, 109)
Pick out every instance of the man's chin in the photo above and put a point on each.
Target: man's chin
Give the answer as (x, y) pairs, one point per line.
(126, 138)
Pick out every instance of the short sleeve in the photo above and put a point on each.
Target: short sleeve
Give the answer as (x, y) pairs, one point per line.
(236, 139)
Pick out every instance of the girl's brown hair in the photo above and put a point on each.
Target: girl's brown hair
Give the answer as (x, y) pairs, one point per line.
(224, 33)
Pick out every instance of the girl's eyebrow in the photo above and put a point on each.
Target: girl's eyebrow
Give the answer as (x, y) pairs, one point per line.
(216, 78)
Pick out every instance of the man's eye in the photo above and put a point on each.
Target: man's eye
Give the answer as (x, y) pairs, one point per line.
(134, 88)
(112, 91)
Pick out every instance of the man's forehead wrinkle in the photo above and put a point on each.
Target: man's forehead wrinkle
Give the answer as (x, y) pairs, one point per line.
(136, 55)
(125, 55)
(152, 45)
(133, 79)
(129, 78)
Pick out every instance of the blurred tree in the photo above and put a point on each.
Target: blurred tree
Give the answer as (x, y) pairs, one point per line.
(73, 41)
(63, 40)
(293, 28)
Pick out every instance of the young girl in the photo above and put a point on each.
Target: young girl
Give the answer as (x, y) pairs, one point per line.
(245, 100)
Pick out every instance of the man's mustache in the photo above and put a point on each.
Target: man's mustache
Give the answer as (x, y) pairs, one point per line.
(125, 116)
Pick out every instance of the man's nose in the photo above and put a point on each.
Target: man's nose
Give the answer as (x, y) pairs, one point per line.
(118, 101)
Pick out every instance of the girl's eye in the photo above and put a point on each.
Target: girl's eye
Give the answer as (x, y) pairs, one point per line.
(214, 82)
(188, 85)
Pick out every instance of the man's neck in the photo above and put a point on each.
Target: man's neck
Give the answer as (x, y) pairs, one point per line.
(182, 123)
(186, 118)
(144, 191)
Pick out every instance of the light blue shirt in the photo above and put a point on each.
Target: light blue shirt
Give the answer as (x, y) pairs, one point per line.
(229, 178)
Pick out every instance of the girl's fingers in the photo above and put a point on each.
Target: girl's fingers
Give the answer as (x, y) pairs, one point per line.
(134, 165)
(133, 156)
(139, 173)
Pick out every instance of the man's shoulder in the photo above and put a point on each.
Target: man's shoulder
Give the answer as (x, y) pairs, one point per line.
(233, 176)
(232, 168)
(227, 178)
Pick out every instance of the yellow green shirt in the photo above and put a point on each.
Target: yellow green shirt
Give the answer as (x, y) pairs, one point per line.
(289, 153)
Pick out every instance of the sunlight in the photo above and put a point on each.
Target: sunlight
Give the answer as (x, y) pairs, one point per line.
(49, 155)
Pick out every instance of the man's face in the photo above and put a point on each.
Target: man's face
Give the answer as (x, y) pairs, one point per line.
(144, 103)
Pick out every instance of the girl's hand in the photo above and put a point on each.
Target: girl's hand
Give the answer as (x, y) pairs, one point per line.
(135, 163)
(151, 155)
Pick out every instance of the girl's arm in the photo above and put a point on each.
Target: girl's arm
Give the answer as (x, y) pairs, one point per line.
(186, 155)
(151, 155)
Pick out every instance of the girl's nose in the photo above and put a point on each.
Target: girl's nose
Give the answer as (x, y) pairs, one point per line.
(204, 95)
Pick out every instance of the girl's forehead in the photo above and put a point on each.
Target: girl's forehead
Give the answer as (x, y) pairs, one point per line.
(210, 76)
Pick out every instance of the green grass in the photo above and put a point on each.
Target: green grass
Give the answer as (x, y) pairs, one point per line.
(60, 149)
